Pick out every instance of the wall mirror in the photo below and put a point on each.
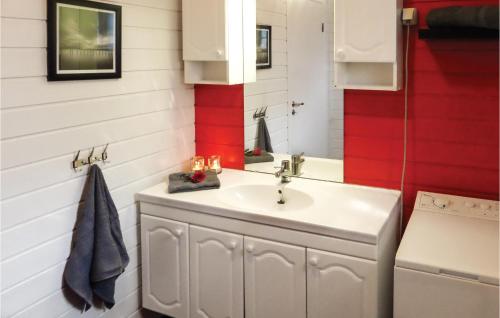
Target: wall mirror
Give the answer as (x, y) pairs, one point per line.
(293, 107)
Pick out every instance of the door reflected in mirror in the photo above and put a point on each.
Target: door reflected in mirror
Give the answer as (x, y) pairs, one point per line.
(293, 112)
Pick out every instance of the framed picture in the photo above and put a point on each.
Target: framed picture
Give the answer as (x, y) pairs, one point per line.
(264, 55)
(83, 40)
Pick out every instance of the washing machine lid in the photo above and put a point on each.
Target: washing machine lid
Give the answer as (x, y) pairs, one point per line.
(453, 245)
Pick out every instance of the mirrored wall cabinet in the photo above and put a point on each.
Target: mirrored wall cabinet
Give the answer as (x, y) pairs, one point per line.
(368, 44)
(219, 41)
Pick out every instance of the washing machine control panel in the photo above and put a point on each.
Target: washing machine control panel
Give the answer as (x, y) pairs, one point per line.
(450, 204)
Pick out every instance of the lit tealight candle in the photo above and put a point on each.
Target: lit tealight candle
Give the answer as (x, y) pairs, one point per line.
(214, 164)
(198, 163)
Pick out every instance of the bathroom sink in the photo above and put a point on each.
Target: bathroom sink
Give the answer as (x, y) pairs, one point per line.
(265, 198)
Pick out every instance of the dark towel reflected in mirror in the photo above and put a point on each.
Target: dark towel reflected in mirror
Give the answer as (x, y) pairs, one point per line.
(263, 139)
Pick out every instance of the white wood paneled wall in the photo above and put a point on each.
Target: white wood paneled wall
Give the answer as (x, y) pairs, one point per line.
(271, 88)
(335, 102)
(147, 116)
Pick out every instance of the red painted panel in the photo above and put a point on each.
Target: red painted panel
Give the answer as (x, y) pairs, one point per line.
(219, 123)
(453, 141)
(221, 135)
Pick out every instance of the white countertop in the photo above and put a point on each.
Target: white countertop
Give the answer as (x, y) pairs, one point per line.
(344, 211)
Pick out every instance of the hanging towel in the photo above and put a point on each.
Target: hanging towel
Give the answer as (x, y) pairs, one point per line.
(98, 255)
(464, 16)
(263, 140)
(180, 182)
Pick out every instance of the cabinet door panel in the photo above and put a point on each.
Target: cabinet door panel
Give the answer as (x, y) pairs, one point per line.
(275, 280)
(165, 266)
(216, 273)
(340, 286)
(365, 30)
(204, 30)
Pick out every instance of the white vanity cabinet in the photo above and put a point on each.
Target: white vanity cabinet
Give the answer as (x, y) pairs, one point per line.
(236, 275)
(219, 41)
(216, 273)
(368, 44)
(275, 280)
(165, 266)
(340, 286)
(204, 258)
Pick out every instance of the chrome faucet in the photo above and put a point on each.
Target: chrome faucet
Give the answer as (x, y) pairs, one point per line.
(297, 162)
(285, 173)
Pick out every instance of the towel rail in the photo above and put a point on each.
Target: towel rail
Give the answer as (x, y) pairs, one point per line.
(260, 113)
(78, 163)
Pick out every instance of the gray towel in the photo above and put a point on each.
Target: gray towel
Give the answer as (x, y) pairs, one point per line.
(265, 157)
(180, 182)
(98, 255)
(263, 140)
(464, 16)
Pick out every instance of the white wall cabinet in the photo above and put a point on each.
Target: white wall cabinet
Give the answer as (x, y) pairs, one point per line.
(204, 30)
(165, 265)
(197, 266)
(216, 273)
(340, 286)
(367, 44)
(219, 41)
(275, 280)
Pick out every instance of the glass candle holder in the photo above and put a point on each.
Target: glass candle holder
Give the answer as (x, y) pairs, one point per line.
(214, 163)
(197, 163)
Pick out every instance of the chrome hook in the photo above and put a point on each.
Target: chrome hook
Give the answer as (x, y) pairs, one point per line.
(91, 158)
(104, 155)
(77, 163)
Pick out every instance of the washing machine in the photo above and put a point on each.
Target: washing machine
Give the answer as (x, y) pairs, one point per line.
(447, 262)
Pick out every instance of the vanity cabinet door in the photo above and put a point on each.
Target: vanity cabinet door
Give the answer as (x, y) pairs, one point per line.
(275, 280)
(216, 273)
(340, 286)
(165, 266)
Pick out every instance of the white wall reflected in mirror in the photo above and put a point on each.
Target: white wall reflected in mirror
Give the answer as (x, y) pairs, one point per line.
(304, 110)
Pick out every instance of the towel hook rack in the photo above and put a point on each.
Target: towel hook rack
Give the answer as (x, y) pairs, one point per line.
(260, 113)
(78, 163)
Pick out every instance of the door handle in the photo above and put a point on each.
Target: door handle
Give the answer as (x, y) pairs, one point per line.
(295, 104)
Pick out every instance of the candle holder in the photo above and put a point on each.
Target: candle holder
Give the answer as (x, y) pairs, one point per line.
(214, 163)
(197, 163)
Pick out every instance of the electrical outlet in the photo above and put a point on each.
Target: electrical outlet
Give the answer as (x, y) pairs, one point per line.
(409, 16)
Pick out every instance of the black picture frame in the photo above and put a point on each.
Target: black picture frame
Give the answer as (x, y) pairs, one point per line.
(264, 59)
(53, 73)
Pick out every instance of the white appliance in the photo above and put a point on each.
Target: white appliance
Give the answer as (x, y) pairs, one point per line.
(447, 263)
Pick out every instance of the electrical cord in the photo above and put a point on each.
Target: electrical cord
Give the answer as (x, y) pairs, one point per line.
(405, 132)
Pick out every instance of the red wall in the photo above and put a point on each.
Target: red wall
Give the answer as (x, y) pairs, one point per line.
(453, 121)
(219, 123)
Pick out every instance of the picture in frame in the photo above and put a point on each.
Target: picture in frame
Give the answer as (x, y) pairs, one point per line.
(264, 53)
(83, 40)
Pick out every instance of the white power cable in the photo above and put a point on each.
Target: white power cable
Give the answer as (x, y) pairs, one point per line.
(405, 132)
